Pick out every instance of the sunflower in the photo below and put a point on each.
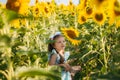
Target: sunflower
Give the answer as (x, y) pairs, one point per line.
(99, 3)
(36, 10)
(71, 7)
(36, 1)
(24, 9)
(113, 11)
(82, 17)
(71, 34)
(99, 17)
(89, 12)
(45, 9)
(13, 5)
(63, 9)
(19, 6)
(24, 1)
(82, 5)
(24, 22)
(52, 5)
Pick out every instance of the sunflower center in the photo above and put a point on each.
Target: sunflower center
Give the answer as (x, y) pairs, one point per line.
(89, 10)
(99, 17)
(116, 4)
(83, 18)
(85, 3)
(48, 3)
(100, 1)
(117, 13)
(73, 13)
(37, 10)
(71, 34)
(46, 10)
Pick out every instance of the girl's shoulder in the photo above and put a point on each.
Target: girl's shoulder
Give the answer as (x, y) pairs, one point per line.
(53, 53)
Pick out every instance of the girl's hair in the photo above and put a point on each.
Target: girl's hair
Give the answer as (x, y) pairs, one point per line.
(50, 47)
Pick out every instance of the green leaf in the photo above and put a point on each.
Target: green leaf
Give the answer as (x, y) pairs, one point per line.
(11, 15)
(1, 22)
(50, 41)
(5, 40)
(40, 72)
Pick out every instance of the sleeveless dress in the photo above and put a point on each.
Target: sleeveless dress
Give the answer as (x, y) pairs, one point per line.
(65, 75)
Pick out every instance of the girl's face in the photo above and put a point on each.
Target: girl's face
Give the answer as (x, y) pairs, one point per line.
(59, 43)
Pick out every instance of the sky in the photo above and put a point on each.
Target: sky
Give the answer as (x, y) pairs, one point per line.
(57, 1)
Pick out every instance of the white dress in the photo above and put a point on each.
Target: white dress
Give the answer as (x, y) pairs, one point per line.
(65, 75)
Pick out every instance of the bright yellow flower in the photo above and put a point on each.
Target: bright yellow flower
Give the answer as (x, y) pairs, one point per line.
(24, 1)
(82, 5)
(52, 6)
(99, 17)
(15, 23)
(45, 8)
(24, 9)
(100, 3)
(46, 11)
(82, 17)
(71, 34)
(89, 11)
(19, 6)
(24, 22)
(71, 7)
(36, 10)
(63, 9)
(113, 11)
(36, 1)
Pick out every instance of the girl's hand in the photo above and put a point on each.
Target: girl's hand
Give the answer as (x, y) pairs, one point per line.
(67, 67)
(75, 69)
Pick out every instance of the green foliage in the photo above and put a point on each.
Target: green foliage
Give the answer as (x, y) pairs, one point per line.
(98, 54)
(48, 73)
(1, 22)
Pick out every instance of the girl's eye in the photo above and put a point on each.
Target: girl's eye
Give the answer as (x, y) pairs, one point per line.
(59, 42)
(64, 41)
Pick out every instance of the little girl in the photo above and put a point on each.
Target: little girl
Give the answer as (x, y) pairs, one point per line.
(59, 57)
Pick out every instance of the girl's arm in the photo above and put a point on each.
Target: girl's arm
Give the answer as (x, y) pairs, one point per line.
(52, 61)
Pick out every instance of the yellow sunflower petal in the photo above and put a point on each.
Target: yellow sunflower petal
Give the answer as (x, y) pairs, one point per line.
(111, 12)
(118, 22)
(82, 17)
(15, 23)
(71, 34)
(36, 10)
(100, 3)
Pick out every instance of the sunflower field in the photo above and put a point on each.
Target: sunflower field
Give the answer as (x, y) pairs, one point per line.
(91, 29)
